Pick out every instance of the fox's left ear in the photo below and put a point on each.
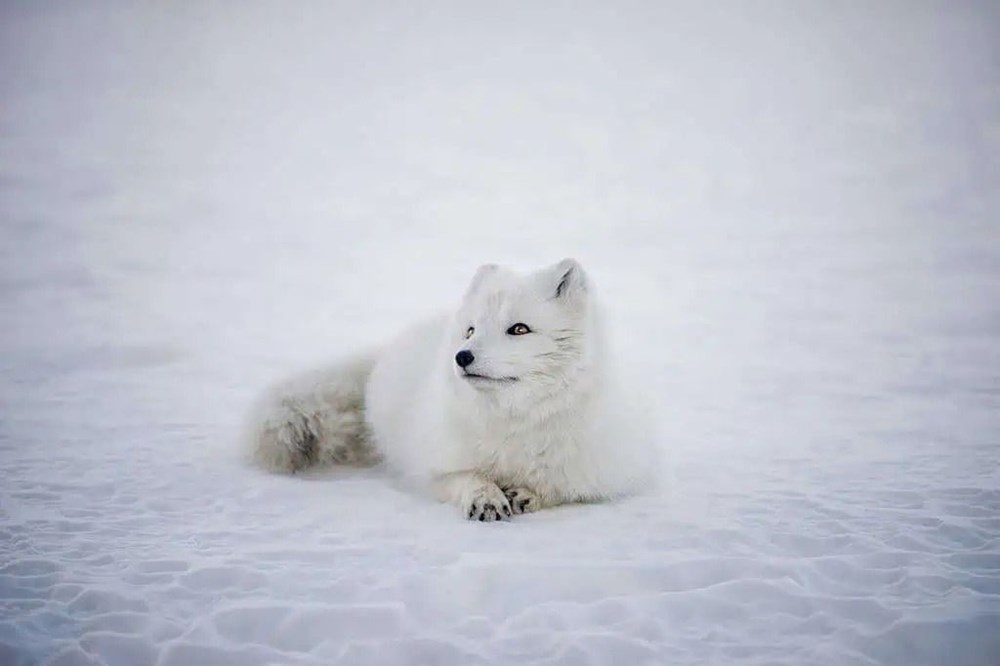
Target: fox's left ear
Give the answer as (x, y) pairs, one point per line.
(482, 273)
(566, 280)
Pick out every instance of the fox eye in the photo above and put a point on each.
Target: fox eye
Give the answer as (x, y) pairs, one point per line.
(468, 333)
(518, 329)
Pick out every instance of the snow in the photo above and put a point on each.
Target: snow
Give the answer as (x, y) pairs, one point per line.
(790, 210)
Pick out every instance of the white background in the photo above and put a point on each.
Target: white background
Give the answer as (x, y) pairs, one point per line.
(791, 214)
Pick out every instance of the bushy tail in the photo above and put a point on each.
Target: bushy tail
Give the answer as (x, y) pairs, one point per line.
(315, 419)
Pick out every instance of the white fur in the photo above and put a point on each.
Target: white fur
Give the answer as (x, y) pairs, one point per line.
(548, 428)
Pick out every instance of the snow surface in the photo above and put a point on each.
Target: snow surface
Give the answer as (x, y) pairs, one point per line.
(791, 210)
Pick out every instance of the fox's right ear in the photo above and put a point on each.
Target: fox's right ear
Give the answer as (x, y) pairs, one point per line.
(482, 273)
(566, 280)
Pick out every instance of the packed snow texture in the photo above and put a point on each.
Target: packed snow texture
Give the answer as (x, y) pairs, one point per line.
(790, 211)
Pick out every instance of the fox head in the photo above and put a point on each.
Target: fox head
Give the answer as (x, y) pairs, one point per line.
(516, 333)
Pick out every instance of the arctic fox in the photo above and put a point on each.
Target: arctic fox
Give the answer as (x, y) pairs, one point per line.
(504, 407)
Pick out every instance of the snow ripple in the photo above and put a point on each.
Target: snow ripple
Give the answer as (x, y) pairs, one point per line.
(228, 581)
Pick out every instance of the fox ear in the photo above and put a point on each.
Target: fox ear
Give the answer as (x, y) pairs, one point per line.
(567, 280)
(482, 273)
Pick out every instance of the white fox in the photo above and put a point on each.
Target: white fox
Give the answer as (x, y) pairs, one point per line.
(503, 407)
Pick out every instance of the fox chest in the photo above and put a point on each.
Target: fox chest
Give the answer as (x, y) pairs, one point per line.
(535, 459)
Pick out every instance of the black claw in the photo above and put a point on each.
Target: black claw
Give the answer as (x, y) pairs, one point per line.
(506, 510)
(482, 517)
(522, 504)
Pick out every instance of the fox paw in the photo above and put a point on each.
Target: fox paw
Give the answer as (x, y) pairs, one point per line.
(522, 500)
(487, 505)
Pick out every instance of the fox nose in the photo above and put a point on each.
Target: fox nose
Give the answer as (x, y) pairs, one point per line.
(464, 358)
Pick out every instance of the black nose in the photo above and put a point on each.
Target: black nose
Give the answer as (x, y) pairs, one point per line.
(464, 358)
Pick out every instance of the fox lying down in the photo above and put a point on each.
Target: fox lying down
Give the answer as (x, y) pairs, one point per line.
(503, 407)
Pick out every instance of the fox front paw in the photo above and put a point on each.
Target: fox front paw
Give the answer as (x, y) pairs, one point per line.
(522, 500)
(487, 505)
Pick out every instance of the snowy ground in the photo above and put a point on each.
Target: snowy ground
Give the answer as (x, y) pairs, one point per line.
(791, 209)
